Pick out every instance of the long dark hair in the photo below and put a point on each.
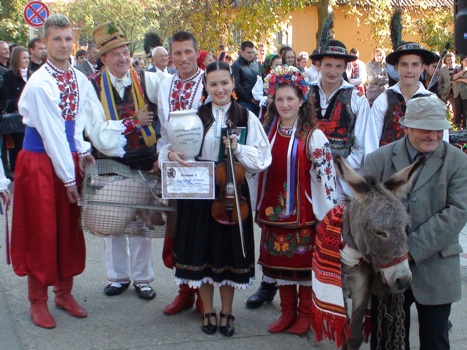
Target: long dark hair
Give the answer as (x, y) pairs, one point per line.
(306, 114)
(236, 112)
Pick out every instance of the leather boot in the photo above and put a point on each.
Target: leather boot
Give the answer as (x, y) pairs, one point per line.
(64, 300)
(37, 295)
(266, 292)
(303, 322)
(288, 316)
(183, 301)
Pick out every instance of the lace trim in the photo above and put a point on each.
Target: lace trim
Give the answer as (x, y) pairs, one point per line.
(121, 141)
(198, 283)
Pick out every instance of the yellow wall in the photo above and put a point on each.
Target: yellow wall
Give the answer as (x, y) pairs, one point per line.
(305, 24)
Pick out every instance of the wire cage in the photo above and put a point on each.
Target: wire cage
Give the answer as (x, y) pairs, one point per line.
(458, 138)
(118, 201)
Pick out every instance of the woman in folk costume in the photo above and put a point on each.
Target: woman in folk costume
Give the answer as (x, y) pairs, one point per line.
(208, 254)
(295, 193)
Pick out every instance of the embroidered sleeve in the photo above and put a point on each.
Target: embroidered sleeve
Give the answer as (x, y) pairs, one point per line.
(323, 175)
(255, 155)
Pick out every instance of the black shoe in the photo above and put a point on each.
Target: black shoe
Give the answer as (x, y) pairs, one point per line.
(227, 330)
(145, 291)
(209, 328)
(266, 292)
(116, 288)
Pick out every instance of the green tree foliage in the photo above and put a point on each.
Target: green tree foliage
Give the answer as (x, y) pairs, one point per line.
(432, 24)
(211, 21)
(231, 22)
(437, 29)
(134, 17)
(13, 27)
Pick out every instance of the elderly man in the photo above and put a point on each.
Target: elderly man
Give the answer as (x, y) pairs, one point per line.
(437, 204)
(125, 95)
(4, 54)
(160, 60)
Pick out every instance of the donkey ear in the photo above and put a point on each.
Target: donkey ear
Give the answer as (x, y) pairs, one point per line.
(355, 181)
(402, 181)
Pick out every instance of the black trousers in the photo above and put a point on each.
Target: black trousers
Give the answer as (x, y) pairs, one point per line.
(432, 320)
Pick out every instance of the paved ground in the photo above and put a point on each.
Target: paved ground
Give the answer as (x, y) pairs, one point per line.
(127, 322)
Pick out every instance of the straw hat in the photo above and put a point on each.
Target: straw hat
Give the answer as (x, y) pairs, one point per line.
(108, 37)
(426, 113)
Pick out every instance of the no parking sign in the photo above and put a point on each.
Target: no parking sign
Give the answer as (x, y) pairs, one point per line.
(35, 13)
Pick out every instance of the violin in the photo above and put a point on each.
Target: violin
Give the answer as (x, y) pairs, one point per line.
(230, 207)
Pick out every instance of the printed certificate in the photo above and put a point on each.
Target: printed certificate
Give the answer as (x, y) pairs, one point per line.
(188, 182)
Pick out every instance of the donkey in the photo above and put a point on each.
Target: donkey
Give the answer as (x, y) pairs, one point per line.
(373, 232)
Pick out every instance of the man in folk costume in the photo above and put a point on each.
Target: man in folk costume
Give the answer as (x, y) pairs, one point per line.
(342, 111)
(408, 60)
(47, 241)
(181, 91)
(124, 95)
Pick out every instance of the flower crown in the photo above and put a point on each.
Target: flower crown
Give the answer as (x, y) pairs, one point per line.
(289, 75)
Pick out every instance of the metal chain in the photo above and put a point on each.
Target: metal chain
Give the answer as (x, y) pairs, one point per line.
(391, 307)
(388, 315)
(399, 333)
(379, 331)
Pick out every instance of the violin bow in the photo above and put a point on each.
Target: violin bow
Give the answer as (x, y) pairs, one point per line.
(239, 215)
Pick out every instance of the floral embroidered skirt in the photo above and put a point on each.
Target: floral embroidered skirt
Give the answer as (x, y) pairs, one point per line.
(207, 251)
(285, 253)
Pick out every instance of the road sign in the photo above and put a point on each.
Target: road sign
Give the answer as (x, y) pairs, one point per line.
(35, 13)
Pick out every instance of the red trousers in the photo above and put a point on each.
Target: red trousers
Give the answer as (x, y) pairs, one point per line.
(46, 240)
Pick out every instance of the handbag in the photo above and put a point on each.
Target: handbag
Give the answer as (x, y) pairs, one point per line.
(12, 123)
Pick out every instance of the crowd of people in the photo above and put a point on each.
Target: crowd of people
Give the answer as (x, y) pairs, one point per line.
(296, 119)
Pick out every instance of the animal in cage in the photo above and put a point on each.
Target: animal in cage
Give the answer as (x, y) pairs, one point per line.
(119, 201)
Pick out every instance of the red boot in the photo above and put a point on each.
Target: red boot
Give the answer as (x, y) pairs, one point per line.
(64, 300)
(303, 322)
(37, 295)
(288, 295)
(183, 301)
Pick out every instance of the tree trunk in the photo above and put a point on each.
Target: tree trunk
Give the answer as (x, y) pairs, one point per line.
(324, 9)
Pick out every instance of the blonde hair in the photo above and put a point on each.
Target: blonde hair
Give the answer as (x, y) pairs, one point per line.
(382, 53)
(56, 20)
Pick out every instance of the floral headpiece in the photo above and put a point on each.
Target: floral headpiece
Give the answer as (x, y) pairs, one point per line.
(289, 75)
